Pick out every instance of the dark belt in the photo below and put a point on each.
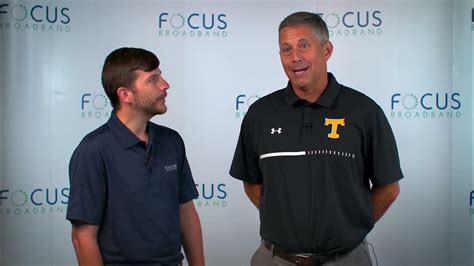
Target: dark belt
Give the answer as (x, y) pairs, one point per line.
(298, 259)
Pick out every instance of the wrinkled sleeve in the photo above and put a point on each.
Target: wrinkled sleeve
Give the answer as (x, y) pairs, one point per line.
(87, 197)
(245, 164)
(187, 187)
(382, 163)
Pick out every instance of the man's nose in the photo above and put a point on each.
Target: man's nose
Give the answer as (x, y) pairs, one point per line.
(164, 85)
(296, 55)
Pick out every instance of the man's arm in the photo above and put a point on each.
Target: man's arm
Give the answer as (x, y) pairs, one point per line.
(191, 234)
(253, 192)
(84, 240)
(382, 198)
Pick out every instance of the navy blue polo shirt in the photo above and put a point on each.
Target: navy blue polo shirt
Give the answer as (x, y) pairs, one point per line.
(316, 162)
(132, 192)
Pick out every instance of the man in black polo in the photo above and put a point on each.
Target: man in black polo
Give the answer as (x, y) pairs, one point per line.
(318, 159)
(131, 193)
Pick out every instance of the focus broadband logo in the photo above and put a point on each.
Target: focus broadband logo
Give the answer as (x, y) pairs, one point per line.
(211, 195)
(427, 105)
(242, 104)
(34, 201)
(354, 23)
(194, 25)
(95, 106)
(34, 17)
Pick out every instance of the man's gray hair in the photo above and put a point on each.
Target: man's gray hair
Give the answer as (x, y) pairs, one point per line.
(308, 19)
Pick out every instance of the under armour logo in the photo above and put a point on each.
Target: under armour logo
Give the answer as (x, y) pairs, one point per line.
(278, 130)
(334, 124)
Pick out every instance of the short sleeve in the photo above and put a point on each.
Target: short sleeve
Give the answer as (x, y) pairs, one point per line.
(87, 196)
(382, 163)
(245, 165)
(187, 187)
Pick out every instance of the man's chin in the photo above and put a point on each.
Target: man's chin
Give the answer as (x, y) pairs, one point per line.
(159, 111)
(298, 83)
(162, 110)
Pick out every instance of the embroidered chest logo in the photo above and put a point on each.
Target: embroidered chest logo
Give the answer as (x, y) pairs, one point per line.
(171, 167)
(275, 131)
(334, 125)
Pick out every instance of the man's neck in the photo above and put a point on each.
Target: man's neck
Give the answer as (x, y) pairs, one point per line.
(135, 123)
(311, 94)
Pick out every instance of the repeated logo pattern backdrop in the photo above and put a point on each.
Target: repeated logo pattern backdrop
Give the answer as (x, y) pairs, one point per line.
(414, 58)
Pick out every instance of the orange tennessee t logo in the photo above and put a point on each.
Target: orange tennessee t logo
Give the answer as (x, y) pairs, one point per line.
(334, 124)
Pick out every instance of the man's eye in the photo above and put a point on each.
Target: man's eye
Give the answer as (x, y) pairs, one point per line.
(304, 46)
(285, 50)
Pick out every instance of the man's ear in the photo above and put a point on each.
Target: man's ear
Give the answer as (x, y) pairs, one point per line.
(125, 95)
(327, 50)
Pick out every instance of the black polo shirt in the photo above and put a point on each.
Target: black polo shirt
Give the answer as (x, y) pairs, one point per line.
(315, 162)
(132, 192)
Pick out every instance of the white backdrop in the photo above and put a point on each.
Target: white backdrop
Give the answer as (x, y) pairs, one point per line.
(412, 57)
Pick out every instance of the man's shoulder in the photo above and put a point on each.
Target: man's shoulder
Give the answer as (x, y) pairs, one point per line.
(96, 137)
(164, 131)
(271, 99)
(265, 105)
(93, 143)
(357, 97)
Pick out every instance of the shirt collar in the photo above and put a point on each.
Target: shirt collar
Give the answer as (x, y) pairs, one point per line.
(124, 136)
(326, 99)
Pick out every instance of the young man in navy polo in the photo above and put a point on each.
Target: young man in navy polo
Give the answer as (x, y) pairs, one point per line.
(131, 186)
(318, 159)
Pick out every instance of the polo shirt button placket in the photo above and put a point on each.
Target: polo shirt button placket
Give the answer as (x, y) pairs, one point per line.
(307, 126)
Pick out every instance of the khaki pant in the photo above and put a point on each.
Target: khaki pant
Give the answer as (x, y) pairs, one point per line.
(358, 257)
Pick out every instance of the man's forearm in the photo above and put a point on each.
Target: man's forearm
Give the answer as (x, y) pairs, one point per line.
(191, 234)
(382, 198)
(86, 247)
(253, 192)
(88, 256)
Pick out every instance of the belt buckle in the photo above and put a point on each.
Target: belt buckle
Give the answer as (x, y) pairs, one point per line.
(304, 259)
(303, 255)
